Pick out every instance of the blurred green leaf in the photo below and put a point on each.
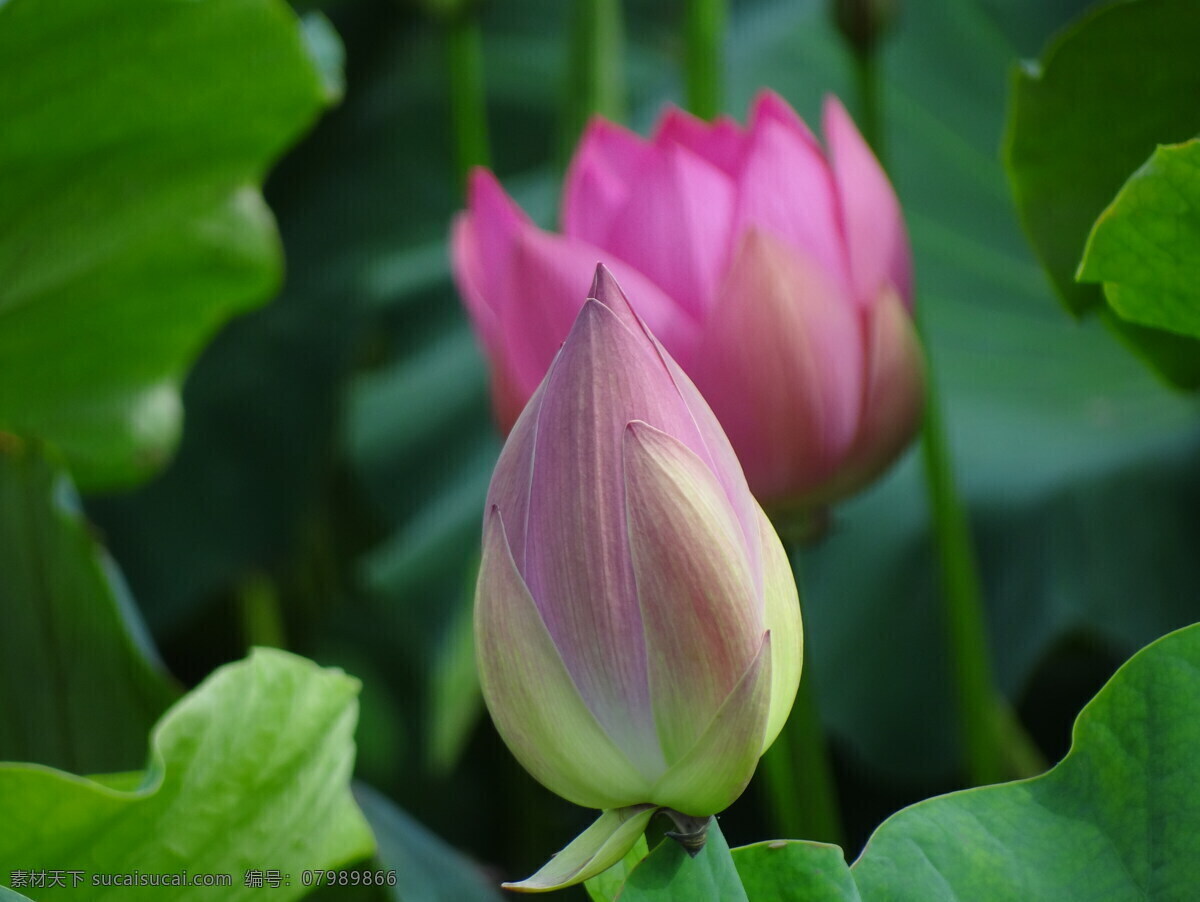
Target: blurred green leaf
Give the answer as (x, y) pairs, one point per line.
(266, 399)
(456, 700)
(383, 744)
(1089, 113)
(433, 387)
(1117, 819)
(427, 869)
(248, 771)
(325, 47)
(669, 874)
(1144, 246)
(437, 542)
(80, 682)
(1026, 24)
(8, 894)
(1082, 120)
(134, 225)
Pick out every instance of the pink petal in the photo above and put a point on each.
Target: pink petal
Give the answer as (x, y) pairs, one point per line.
(770, 107)
(467, 267)
(780, 361)
(533, 701)
(895, 397)
(532, 291)
(523, 288)
(719, 142)
(495, 221)
(786, 189)
(550, 276)
(576, 554)
(709, 440)
(482, 243)
(512, 477)
(674, 226)
(598, 179)
(702, 616)
(607, 290)
(875, 233)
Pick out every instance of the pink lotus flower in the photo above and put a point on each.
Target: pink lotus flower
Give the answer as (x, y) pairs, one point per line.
(637, 624)
(777, 274)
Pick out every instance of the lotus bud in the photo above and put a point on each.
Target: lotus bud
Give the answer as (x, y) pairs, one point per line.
(637, 622)
(775, 271)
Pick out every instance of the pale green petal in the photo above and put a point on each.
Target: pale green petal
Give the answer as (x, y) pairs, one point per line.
(594, 850)
(718, 767)
(787, 632)
(535, 705)
(607, 885)
(701, 613)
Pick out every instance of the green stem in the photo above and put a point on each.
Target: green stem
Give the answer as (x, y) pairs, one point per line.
(802, 797)
(468, 107)
(798, 777)
(866, 71)
(704, 31)
(962, 595)
(260, 612)
(994, 744)
(595, 74)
